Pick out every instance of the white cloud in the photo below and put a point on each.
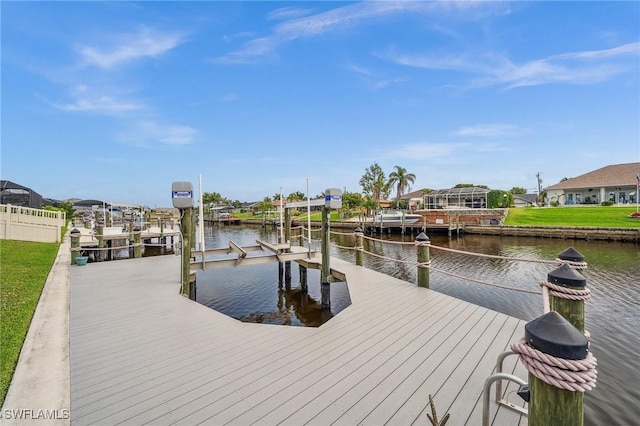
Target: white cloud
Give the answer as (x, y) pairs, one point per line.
(86, 99)
(290, 12)
(342, 18)
(587, 67)
(489, 130)
(151, 134)
(145, 42)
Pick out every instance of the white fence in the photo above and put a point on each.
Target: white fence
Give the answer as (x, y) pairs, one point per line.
(27, 224)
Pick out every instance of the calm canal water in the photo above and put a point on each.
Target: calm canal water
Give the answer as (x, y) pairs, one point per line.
(612, 314)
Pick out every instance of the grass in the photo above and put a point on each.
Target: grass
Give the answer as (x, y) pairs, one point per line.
(24, 267)
(596, 216)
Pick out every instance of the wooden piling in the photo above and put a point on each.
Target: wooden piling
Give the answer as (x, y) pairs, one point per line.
(549, 404)
(303, 279)
(75, 243)
(137, 237)
(186, 225)
(423, 243)
(325, 270)
(359, 246)
(100, 237)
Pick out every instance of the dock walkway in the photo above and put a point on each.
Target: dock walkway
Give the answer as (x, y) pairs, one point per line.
(141, 353)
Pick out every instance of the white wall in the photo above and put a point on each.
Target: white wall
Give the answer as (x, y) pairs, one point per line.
(27, 224)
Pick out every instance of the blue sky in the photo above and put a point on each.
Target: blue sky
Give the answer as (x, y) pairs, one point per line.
(117, 100)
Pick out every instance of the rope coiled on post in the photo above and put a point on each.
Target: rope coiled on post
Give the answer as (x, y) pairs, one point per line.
(572, 375)
(555, 290)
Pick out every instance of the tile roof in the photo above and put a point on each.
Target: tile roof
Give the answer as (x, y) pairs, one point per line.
(614, 175)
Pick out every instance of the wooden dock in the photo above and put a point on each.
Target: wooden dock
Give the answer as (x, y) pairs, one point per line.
(141, 353)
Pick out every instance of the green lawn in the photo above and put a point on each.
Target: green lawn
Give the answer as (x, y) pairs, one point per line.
(24, 267)
(596, 216)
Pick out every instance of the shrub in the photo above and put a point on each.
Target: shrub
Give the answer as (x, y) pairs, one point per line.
(606, 203)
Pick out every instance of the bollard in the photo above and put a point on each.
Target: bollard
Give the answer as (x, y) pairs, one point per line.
(423, 243)
(100, 237)
(162, 239)
(359, 245)
(75, 243)
(137, 237)
(553, 335)
(567, 279)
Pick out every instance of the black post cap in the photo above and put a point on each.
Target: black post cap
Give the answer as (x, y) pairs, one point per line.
(553, 335)
(136, 228)
(422, 238)
(571, 255)
(566, 277)
(75, 232)
(358, 230)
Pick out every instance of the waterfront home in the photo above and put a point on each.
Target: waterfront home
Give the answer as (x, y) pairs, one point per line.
(617, 183)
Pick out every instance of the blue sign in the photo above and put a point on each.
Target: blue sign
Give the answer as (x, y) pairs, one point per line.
(333, 197)
(181, 194)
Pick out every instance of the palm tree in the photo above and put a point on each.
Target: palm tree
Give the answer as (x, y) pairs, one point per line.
(402, 180)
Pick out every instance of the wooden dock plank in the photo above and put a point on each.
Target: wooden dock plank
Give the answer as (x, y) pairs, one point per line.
(141, 353)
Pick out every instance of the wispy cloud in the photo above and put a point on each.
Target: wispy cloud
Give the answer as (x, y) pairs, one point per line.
(145, 42)
(335, 20)
(489, 130)
(151, 134)
(372, 80)
(587, 67)
(86, 99)
(290, 12)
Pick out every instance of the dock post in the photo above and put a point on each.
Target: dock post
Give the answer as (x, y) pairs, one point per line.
(137, 242)
(423, 243)
(75, 243)
(303, 279)
(325, 271)
(186, 224)
(552, 335)
(359, 245)
(280, 274)
(163, 239)
(100, 237)
(550, 404)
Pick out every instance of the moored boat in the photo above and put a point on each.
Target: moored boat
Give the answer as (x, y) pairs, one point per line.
(396, 218)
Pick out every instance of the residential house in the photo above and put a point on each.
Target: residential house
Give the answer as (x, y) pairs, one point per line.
(525, 200)
(617, 183)
(18, 195)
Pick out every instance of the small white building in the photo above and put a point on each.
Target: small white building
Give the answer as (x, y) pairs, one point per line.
(617, 183)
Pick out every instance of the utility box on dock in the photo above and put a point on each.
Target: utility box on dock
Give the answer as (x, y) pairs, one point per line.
(182, 195)
(333, 198)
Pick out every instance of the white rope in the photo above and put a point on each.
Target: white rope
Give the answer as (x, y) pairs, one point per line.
(572, 375)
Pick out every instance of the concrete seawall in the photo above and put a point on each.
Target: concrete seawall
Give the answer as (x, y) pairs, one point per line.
(570, 233)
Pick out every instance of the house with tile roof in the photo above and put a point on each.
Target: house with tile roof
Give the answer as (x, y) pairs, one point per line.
(617, 183)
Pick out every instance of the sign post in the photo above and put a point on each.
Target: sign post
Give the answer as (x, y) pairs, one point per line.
(332, 200)
(182, 198)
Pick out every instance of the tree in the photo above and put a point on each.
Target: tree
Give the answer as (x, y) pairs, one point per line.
(470, 185)
(213, 198)
(265, 205)
(402, 180)
(374, 182)
(296, 196)
(497, 198)
(518, 190)
(351, 200)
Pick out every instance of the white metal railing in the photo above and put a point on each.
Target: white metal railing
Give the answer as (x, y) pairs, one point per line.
(28, 224)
